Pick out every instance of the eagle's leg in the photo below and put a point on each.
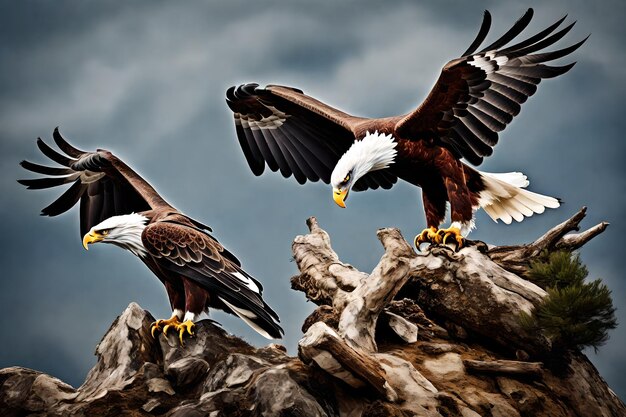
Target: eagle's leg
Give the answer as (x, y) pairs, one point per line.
(196, 299)
(461, 212)
(176, 295)
(434, 198)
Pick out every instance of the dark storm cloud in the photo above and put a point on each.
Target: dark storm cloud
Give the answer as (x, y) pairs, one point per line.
(147, 80)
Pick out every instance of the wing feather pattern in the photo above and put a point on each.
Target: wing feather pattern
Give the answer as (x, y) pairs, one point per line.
(477, 95)
(295, 134)
(201, 258)
(104, 185)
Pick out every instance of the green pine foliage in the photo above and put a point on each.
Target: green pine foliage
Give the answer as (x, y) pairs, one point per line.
(558, 269)
(575, 314)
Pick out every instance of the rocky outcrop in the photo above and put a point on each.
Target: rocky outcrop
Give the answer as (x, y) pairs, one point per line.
(212, 374)
(428, 334)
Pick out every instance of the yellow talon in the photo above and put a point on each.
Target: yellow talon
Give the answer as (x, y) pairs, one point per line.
(186, 326)
(428, 235)
(156, 326)
(444, 234)
(173, 322)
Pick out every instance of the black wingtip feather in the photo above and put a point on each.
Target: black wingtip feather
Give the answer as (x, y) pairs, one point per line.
(66, 201)
(481, 35)
(540, 70)
(565, 68)
(42, 183)
(230, 98)
(515, 30)
(34, 184)
(542, 43)
(249, 89)
(42, 169)
(52, 154)
(64, 144)
(535, 38)
(551, 56)
(256, 164)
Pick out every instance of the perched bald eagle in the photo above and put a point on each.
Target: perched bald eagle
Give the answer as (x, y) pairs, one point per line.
(475, 97)
(118, 206)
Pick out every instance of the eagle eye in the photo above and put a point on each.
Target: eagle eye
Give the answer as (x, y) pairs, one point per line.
(104, 232)
(346, 179)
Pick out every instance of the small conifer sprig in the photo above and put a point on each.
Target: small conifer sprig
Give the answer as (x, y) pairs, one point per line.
(558, 269)
(575, 314)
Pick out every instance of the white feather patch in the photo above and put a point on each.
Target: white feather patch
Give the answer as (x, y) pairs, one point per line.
(271, 122)
(483, 63)
(374, 152)
(246, 315)
(247, 281)
(464, 227)
(125, 231)
(189, 316)
(489, 63)
(504, 197)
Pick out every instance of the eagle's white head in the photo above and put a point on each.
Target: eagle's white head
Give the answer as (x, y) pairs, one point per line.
(375, 151)
(124, 231)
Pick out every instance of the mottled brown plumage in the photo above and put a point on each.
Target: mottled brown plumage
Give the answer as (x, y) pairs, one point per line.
(197, 271)
(475, 97)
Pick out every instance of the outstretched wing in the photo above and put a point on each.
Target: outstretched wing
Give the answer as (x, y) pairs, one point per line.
(104, 185)
(200, 257)
(477, 95)
(294, 133)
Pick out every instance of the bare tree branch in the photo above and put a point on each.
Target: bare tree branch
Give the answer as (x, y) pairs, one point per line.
(517, 258)
(505, 367)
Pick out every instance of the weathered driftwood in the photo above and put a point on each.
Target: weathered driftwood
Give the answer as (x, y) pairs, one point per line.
(413, 313)
(357, 298)
(464, 287)
(402, 327)
(323, 277)
(357, 322)
(467, 289)
(394, 378)
(517, 259)
(504, 367)
(322, 345)
(474, 290)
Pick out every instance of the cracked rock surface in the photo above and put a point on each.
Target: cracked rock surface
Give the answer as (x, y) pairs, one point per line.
(213, 374)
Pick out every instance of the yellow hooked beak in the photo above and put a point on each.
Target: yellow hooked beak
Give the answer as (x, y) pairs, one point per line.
(91, 237)
(339, 196)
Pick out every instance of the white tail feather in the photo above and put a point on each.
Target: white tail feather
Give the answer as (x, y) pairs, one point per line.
(504, 197)
(246, 316)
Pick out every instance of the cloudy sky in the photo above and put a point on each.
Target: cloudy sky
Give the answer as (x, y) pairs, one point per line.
(146, 80)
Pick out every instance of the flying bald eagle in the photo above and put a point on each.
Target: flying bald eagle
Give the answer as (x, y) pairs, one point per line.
(118, 206)
(475, 97)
